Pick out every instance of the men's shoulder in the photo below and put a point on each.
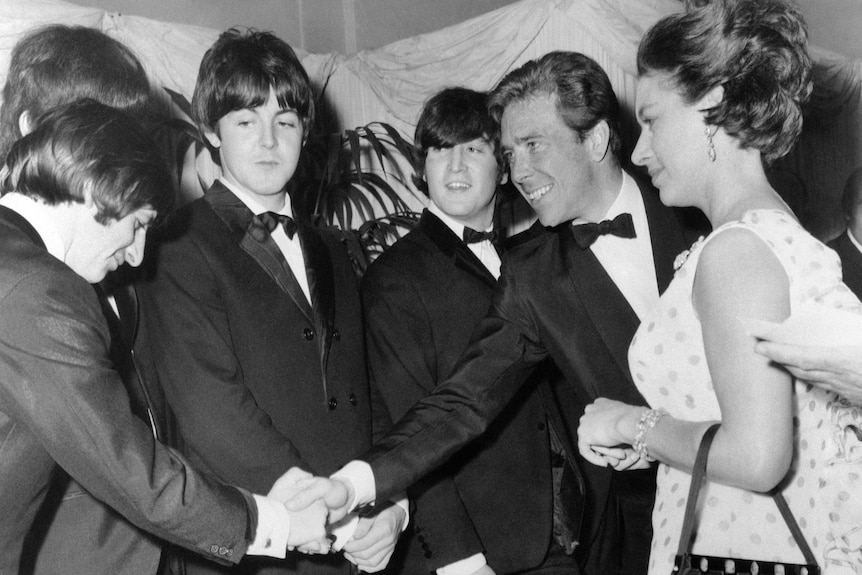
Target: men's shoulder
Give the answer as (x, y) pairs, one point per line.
(409, 252)
(530, 239)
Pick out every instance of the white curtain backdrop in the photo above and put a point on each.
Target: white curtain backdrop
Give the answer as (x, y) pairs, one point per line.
(390, 84)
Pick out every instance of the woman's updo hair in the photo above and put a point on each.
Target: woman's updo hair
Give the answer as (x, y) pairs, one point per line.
(755, 49)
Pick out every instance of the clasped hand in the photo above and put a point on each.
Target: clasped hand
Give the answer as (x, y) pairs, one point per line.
(315, 503)
(599, 438)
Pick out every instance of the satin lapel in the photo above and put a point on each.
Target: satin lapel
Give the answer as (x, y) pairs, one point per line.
(665, 235)
(609, 310)
(452, 246)
(237, 217)
(321, 286)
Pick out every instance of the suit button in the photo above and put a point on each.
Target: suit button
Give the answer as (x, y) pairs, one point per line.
(308, 333)
(333, 403)
(214, 549)
(353, 400)
(428, 555)
(336, 335)
(222, 551)
(541, 427)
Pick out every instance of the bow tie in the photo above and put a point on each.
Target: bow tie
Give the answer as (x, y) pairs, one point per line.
(471, 236)
(263, 224)
(586, 234)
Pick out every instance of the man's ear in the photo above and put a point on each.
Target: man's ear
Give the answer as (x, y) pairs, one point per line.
(599, 139)
(504, 177)
(25, 123)
(212, 138)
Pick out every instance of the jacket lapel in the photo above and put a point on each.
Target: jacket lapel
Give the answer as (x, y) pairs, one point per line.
(321, 286)
(453, 247)
(609, 310)
(237, 217)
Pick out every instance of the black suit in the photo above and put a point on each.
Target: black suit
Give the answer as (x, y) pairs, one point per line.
(851, 262)
(553, 300)
(62, 402)
(422, 299)
(259, 380)
(75, 532)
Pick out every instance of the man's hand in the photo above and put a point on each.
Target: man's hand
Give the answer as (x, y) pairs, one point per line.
(336, 495)
(374, 539)
(307, 525)
(837, 368)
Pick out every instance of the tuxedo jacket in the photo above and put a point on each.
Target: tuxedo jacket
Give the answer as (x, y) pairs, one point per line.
(63, 403)
(74, 532)
(258, 379)
(554, 300)
(851, 262)
(422, 299)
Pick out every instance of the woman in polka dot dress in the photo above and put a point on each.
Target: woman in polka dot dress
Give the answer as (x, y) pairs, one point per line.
(720, 92)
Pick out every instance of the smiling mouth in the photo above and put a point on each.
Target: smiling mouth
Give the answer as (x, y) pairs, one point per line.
(457, 186)
(538, 193)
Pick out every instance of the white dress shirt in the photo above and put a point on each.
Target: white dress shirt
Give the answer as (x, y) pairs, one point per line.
(290, 247)
(629, 261)
(484, 250)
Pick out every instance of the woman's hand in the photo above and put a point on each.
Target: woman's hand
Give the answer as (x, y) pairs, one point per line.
(606, 431)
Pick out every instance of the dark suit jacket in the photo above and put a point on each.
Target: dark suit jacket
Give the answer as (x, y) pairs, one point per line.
(851, 262)
(259, 380)
(74, 532)
(422, 299)
(553, 300)
(62, 402)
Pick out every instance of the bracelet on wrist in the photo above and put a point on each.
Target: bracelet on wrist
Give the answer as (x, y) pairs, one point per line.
(646, 422)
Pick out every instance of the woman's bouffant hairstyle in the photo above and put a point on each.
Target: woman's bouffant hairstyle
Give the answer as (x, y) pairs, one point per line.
(582, 88)
(450, 117)
(237, 72)
(86, 150)
(755, 49)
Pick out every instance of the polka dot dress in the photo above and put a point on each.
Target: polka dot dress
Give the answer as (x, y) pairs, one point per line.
(824, 485)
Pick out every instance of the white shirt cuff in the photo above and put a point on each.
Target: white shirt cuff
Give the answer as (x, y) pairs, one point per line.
(343, 531)
(360, 476)
(273, 529)
(464, 566)
(404, 504)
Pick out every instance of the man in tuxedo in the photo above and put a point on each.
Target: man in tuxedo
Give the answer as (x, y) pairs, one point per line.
(49, 67)
(569, 291)
(421, 299)
(253, 317)
(80, 191)
(849, 244)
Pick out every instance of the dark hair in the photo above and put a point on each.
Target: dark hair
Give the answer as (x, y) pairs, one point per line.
(755, 49)
(89, 150)
(59, 64)
(451, 117)
(237, 72)
(852, 192)
(582, 88)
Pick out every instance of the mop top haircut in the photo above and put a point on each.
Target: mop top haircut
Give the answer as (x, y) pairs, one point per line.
(454, 116)
(581, 88)
(87, 150)
(59, 64)
(757, 50)
(237, 72)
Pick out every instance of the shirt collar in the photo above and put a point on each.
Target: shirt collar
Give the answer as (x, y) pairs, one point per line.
(252, 204)
(627, 198)
(32, 210)
(456, 227)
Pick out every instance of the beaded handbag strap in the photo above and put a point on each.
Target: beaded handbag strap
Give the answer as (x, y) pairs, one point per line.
(697, 475)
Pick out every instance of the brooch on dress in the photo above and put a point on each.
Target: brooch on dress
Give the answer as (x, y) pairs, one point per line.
(680, 260)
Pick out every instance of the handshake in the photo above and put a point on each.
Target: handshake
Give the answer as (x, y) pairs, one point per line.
(321, 522)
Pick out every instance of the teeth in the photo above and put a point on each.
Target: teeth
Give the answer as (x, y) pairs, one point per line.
(457, 186)
(538, 193)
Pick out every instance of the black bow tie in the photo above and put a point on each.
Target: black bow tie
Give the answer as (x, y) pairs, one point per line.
(263, 224)
(586, 234)
(472, 236)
